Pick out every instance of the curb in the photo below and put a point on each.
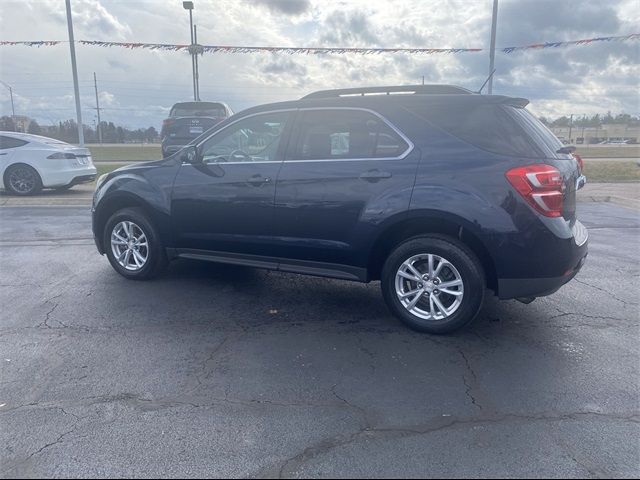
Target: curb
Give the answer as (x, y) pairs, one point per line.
(616, 199)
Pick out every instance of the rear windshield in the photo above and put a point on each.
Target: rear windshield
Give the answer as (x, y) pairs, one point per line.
(501, 129)
(199, 109)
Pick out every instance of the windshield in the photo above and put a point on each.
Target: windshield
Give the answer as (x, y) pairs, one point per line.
(200, 109)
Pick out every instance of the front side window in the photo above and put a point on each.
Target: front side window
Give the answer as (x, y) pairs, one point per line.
(336, 134)
(252, 139)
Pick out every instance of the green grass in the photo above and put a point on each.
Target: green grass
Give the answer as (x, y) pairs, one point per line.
(126, 152)
(106, 167)
(611, 172)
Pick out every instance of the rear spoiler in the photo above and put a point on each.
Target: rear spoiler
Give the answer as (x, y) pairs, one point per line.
(567, 149)
(504, 100)
(516, 102)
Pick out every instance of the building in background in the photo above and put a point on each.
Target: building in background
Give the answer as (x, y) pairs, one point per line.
(615, 132)
(21, 122)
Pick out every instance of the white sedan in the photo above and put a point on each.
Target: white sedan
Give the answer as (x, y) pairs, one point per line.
(29, 163)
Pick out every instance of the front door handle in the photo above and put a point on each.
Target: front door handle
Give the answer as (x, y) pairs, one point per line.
(375, 175)
(257, 180)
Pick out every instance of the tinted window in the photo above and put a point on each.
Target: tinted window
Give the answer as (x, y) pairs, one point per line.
(485, 126)
(252, 139)
(196, 109)
(327, 134)
(542, 135)
(8, 142)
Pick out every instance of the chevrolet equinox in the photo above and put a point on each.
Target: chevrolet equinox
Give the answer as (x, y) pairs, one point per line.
(436, 191)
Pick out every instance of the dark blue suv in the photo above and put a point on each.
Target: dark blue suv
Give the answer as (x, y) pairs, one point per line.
(436, 191)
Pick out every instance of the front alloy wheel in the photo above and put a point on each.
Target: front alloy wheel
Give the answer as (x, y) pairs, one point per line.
(133, 244)
(129, 245)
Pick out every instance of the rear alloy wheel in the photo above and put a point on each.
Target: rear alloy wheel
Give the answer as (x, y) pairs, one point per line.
(22, 180)
(429, 287)
(434, 284)
(133, 245)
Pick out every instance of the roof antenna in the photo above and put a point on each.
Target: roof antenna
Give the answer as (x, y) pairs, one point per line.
(487, 80)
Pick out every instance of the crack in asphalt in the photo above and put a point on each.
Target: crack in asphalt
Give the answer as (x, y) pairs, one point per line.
(47, 445)
(292, 464)
(611, 294)
(205, 369)
(464, 379)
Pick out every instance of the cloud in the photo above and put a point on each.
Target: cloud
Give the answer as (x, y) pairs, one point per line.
(351, 28)
(288, 7)
(138, 86)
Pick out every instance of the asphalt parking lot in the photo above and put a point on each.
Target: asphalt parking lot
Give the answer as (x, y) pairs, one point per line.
(227, 371)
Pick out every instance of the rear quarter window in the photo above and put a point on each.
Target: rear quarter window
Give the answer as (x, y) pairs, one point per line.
(8, 142)
(489, 127)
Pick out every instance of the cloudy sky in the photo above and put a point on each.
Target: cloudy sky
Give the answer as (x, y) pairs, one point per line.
(137, 87)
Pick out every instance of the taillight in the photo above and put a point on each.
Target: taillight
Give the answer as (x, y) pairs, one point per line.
(61, 155)
(579, 160)
(541, 186)
(165, 124)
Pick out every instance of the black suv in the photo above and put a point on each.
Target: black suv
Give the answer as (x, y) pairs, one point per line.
(434, 190)
(188, 120)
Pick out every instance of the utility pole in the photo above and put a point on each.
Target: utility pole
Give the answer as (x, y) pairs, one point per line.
(570, 126)
(492, 52)
(423, 79)
(74, 69)
(13, 110)
(98, 128)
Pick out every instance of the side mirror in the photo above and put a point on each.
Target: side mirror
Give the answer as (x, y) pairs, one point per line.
(189, 154)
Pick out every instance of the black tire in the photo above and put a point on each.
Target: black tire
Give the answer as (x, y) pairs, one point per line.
(21, 179)
(465, 262)
(156, 260)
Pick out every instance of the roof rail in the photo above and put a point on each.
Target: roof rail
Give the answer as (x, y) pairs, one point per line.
(401, 89)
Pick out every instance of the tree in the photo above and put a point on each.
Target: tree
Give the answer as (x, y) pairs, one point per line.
(6, 124)
(34, 128)
(150, 134)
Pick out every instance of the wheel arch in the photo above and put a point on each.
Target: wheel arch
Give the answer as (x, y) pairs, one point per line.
(110, 205)
(430, 222)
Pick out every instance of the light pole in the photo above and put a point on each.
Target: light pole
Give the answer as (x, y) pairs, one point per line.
(74, 69)
(189, 6)
(492, 53)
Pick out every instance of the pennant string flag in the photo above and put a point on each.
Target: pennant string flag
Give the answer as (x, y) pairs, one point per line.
(317, 50)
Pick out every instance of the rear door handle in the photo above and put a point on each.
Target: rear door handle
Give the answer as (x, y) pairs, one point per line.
(257, 180)
(375, 175)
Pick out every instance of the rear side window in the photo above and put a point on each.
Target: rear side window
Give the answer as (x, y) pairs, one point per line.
(8, 142)
(486, 126)
(537, 129)
(329, 134)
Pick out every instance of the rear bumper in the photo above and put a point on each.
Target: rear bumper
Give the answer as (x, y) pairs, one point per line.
(82, 179)
(535, 287)
(68, 176)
